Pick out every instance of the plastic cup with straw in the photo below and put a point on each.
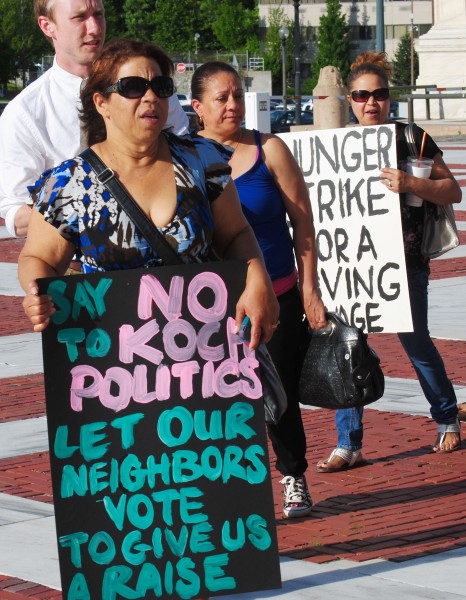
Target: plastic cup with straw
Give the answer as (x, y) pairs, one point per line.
(423, 143)
(419, 167)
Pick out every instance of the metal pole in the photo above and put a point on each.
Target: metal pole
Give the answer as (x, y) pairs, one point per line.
(23, 62)
(380, 28)
(412, 43)
(297, 58)
(410, 101)
(284, 72)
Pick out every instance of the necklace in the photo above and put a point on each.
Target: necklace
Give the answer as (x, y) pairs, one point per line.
(239, 140)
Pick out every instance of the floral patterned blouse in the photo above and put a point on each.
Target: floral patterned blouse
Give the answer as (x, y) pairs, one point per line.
(73, 200)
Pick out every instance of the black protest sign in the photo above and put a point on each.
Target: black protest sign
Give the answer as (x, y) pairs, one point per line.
(361, 263)
(157, 439)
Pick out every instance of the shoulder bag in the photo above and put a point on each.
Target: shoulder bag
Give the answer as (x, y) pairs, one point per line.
(439, 232)
(339, 369)
(275, 401)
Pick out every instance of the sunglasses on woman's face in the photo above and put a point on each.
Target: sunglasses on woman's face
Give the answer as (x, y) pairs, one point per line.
(363, 95)
(136, 87)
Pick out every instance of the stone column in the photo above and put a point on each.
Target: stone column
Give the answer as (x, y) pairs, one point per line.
(332, 110)
(442, 59)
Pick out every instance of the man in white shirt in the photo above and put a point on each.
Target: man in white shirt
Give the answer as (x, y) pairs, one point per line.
(40, 127)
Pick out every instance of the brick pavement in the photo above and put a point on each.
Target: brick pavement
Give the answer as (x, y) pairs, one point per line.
(407, 502)
(397, 507)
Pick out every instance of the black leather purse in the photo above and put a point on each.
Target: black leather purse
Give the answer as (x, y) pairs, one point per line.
(275, 400)
(339, 368)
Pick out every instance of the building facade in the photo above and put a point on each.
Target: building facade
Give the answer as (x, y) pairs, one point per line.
(399, 16)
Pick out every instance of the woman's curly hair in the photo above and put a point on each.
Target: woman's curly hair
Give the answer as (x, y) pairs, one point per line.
(375, 63)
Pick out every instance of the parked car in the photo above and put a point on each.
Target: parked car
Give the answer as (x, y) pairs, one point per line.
(290, 105)
(192, 116)
(185, 99)
(308, 105)
(281, 120)
(394, 107)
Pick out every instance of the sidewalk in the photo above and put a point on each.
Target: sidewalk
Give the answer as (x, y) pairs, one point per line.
(393, 528)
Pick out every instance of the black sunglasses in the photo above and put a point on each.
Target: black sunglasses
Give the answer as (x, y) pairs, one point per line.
(363, 95)
(136, 87)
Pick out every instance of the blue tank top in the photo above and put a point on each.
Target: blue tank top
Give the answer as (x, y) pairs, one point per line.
(264, 209)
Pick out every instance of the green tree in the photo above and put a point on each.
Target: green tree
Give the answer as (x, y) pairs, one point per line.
(169, 23)
(115, 19)
(235, 23)
(402, 62)
(139, 18)
(273, 45)
(332, 42)
(7, 63)
(20, 36)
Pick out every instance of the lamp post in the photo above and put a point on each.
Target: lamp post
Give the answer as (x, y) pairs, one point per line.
(410, 101)
(196, 39)
(412, 43)
(297, 59)
(283, 34)
(380, 28)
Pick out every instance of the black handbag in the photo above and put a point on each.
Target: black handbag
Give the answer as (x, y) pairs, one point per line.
(275, 401)
(339, 368)
(439, 234)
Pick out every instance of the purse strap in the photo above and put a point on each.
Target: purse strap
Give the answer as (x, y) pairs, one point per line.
(150, 232)
(409, 135)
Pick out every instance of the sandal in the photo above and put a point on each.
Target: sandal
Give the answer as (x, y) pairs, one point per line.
(341, 459)
(443, 429)
(462, 412)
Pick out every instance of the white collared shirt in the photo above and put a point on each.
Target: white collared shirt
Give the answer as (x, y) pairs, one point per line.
(40, 128)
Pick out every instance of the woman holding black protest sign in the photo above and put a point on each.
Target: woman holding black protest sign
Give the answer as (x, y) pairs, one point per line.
(369, 97)
(182, 185)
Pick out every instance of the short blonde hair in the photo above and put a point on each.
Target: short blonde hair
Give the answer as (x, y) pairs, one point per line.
(44, 8)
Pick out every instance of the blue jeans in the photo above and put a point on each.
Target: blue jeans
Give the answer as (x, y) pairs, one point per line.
(427, 363)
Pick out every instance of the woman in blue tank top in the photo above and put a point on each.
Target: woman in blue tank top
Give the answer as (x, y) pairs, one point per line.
(272, 190)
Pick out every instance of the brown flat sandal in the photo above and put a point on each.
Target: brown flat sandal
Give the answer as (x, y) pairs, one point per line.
(341, 459)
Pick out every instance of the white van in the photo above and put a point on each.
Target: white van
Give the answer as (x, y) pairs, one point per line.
(185, 99)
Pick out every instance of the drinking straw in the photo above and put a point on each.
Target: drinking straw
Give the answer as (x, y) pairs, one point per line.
(422, 148)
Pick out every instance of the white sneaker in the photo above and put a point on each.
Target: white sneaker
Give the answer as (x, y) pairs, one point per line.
(298, 501)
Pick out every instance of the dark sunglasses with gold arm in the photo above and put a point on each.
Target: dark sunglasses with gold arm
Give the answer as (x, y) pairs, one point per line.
(136, 87)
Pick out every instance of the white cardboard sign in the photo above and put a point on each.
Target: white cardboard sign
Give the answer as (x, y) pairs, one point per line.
(361, 263)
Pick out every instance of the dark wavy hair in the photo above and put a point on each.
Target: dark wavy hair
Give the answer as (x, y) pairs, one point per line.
(103, 74)
(374, 63)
